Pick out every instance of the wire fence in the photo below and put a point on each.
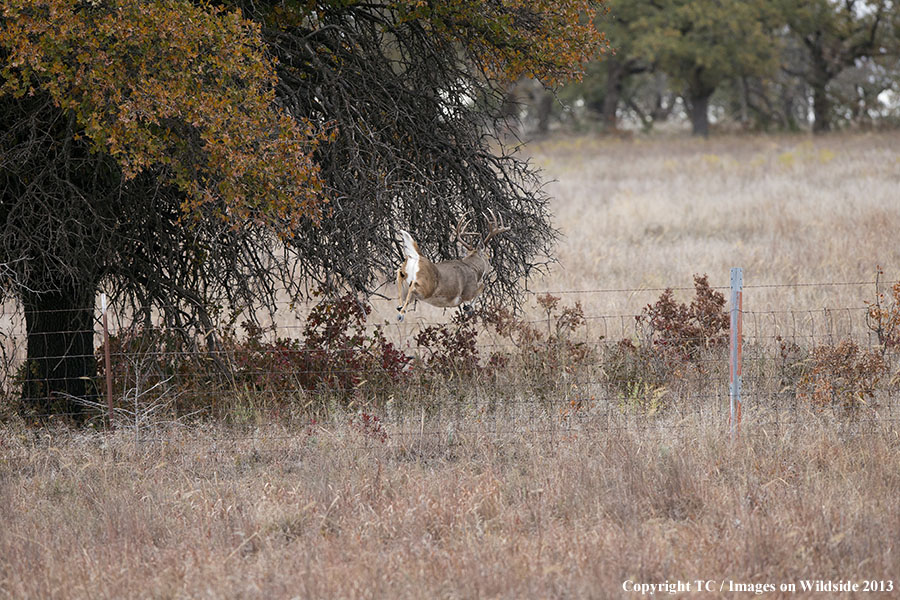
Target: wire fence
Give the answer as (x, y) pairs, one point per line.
(553, 372)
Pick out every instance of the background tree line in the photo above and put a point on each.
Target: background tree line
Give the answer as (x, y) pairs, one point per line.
(754, 64)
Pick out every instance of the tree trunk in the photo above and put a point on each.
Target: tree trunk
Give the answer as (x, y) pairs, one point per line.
(543, 107)
(821, 109)
(699, 110)
(60, 363)
(820, 75)
(614, 80)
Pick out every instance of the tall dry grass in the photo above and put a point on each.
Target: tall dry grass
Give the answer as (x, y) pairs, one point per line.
(219, 513)
(496, 495)
(786, 208)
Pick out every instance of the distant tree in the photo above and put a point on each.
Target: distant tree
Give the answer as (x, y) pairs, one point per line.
(702, 43)
(836, 35)
(153, 149)
(627, 80)
(858, 92)
(778, 99)
(647, 98)
(623, 62)
(529, 106)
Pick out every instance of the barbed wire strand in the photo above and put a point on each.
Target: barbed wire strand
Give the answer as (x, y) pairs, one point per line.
(751, 380)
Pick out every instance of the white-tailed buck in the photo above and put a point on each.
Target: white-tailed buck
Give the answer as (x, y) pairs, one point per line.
(448, 283)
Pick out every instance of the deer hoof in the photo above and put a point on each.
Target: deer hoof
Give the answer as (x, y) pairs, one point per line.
(467, 308)
(399, 317)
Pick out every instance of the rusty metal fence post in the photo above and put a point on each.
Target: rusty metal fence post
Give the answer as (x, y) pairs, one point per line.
(735, 359)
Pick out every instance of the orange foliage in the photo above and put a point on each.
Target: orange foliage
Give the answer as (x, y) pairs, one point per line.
(169, 85)
(550, 40)
(187, 88)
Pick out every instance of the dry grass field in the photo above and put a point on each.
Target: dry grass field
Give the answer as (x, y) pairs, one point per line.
(497, 497)
(787, 209)
(486, 515)
(648, 214)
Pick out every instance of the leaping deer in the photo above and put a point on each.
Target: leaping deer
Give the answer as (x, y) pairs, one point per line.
(447, 283)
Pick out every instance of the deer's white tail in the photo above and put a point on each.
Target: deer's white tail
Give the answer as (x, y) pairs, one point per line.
(412, 257)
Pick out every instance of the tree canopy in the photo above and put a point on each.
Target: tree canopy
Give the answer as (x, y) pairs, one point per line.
(762, 63)
(604, 85)
(835, 36)
(170, 86)
(702, 43)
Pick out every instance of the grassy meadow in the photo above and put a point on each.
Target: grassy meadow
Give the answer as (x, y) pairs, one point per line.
(490, 494)
(641, 215)
(786, 209)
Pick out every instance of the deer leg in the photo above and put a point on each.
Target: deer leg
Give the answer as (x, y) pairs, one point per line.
(401, 275)
(467, 307)
(402, 309)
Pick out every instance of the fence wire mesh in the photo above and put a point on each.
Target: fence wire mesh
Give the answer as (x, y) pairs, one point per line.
(556, 371)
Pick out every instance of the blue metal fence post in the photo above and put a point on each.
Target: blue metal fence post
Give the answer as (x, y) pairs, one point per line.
(106, 363)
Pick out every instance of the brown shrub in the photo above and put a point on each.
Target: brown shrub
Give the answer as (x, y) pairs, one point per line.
(675, 339)
(841, 375)
(883, 316)
(539, 354)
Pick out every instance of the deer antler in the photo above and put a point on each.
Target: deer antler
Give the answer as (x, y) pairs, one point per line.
(461, 233)
(496, 227)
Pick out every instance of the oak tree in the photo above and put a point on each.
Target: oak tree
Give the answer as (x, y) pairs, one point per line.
(702, 43)
(606, 82)
(188, 157)
(836, 35)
